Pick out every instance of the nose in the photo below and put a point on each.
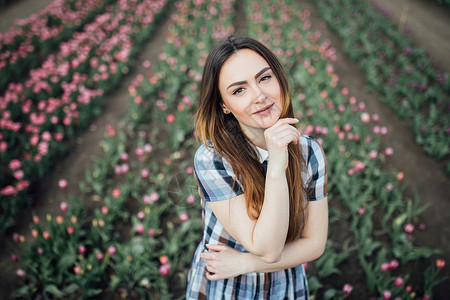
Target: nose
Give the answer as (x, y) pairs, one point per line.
(260, 96)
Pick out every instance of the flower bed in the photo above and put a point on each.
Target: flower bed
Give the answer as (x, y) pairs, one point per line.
(64, 94)
(359, 190)
(30, 40)
(395, 68)
(144, 228)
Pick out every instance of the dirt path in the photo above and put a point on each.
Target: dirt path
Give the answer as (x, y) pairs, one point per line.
(429, 23)
(19, 9)
(73, 166)
(423, 175)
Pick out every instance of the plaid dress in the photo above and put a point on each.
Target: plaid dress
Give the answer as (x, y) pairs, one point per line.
(215, 178)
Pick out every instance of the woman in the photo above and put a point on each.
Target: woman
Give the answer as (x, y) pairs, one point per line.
(262, 184)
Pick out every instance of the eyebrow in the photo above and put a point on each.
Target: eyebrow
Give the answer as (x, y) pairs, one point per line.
(256, 76)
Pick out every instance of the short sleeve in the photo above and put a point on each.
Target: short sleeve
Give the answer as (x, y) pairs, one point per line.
(317, 170)
(214, 175)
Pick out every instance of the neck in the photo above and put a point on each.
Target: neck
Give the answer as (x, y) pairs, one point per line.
(256, 136)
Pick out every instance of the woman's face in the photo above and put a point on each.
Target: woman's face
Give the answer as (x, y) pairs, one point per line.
(250, 91)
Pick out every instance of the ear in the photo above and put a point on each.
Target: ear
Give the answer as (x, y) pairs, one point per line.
(225, 109)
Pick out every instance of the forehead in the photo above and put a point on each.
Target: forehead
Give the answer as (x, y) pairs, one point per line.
(241, 66)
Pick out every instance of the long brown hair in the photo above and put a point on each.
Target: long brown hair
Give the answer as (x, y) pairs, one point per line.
(225, 134)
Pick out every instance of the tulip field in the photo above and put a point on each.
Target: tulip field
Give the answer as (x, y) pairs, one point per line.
(132, 230)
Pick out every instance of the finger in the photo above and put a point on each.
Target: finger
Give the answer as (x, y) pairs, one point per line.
(284, 121)
(212, 276)
(283, 127)
(216, 247)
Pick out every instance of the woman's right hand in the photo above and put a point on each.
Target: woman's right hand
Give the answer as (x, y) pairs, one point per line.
(278, 137)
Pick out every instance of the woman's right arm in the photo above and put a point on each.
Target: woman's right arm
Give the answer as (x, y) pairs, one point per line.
(266, 236)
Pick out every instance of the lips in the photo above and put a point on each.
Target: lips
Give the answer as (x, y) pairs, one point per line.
(265, 108)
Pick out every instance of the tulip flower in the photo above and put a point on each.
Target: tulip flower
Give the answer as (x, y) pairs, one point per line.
(63, 206)
(62, 183)
(164, 270)
(398, 282)
(112, 250)
(347, 289)
(440, 263)
(184, 217)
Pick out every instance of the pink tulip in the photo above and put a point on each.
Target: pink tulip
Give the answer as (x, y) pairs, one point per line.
(62, 183)
(82, 249)
(151, 232)
(144, 173)
(139, 151)
(384, 267)
(63, 206)
(124, 156)
(387, 295)
(375, 117)
(389, 151)
(347, 289)
(141, 215)
(190, 199)
(77, 270)
(393, 264)
(389, 187)
(365, 117)
(361, 211)
(104, 210)
(140, 228)
(344, 91)
(125, 168)
(99, 255)
(118, 170)
(189, 170)
(170, 118)
(440, 263)
(112, 250)
(164, 270)
(148, 148)
(70, 230)
(398, 282)
(20, 273)
(15, 164)
(373, 154)
(184, 217)
(383, 131)
(409, 228)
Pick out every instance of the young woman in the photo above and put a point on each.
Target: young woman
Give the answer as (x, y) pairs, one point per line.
(262, 184)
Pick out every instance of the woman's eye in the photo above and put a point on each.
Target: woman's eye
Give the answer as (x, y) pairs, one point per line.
(237, 91)
(267, 77)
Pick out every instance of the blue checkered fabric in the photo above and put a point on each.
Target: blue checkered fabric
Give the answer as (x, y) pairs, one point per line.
(216, 182)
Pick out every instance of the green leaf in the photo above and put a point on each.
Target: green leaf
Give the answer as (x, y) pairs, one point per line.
(70, 289)
(52, 289)
(21, 292)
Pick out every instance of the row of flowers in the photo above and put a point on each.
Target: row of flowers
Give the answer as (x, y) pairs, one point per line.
(30, 40)
(145, 221)
(402, 73)
(64, 94)
(356, 181)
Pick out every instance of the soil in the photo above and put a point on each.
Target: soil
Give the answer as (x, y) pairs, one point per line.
(430, 28)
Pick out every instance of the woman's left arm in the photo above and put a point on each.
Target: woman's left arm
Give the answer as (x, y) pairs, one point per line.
(226, 262)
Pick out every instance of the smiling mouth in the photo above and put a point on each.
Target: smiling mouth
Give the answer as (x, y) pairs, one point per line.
(264, 109)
